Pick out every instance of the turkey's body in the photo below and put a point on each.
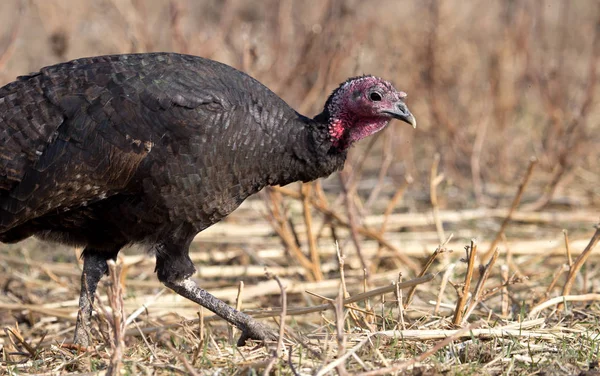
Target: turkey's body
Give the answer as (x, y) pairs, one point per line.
(108, 151)
(130, 148)
(153, 148)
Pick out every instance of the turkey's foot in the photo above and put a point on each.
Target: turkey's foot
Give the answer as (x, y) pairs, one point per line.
(251, 329)
(256, 331)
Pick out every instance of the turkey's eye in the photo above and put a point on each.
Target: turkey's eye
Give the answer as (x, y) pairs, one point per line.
(375, 96)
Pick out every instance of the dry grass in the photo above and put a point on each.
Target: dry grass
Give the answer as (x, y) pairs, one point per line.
(372, 333)
(492, 85)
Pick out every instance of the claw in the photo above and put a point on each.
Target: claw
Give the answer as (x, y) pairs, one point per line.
(256, 331)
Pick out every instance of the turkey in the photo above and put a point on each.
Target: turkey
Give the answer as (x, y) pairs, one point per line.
(109, 151)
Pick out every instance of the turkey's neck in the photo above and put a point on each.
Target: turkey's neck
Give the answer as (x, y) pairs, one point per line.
(312, 154)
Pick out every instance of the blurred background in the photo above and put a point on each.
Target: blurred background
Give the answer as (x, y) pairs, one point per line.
(491, 83)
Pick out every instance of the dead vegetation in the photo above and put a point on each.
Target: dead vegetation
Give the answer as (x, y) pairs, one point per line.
(435, 251)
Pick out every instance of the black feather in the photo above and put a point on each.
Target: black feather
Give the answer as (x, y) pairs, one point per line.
(106, 151)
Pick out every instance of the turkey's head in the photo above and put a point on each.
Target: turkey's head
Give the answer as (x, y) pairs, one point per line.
(362, 106)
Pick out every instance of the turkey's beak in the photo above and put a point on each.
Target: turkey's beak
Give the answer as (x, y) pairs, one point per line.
(401, 112)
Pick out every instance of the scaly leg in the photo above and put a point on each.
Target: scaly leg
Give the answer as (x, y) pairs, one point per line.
(94, 267)
(251, 329)
(174, 268)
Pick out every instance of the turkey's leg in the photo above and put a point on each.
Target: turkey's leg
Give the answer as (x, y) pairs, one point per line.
(94, 267)
(251, 329)
(174, 268)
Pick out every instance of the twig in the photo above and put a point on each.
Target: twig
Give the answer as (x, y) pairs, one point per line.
(579, 262)
(445, 279)
(117, 319)
(145, 340)
(434, 181)
(280, 224)
(305, 190)
(505, 303)
(426, 267)
(200, 343)
(521, 329)
(282, 315)
(343, 278)
(341, 258)
(399, 300)
(462, 299)
(408, 180)
(353, 299)
(388, 157)
(559, 300)
(339, 328)
(559, 272)
(515, 203)
(574, 132)
(568, 248)
(144, 307)
(17, 334)
(386, 216)
(352, 220)
(479, 287)
(238, 306)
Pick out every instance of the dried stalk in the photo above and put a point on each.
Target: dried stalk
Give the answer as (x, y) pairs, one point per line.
(568, 248)
(559, 272)
(385, 165)
(117, 319)
(340, 335)
(428, 263)
(282, 316)
(33, 351)
(479, 287)
(434, 181)
(360, 229)
(423, 356)
(281, 225)
(353, 299)
(300, 311)
(238, 306)
(312, 244)
(352, 220)
(515, 203)
(559, 301)
(476, 162)
(445, 279)
(464, 296)
(399, 301)
(505, 301)
(579, 263)
(341, 261)
(279, 348)
(386, 216)
(408, 180)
